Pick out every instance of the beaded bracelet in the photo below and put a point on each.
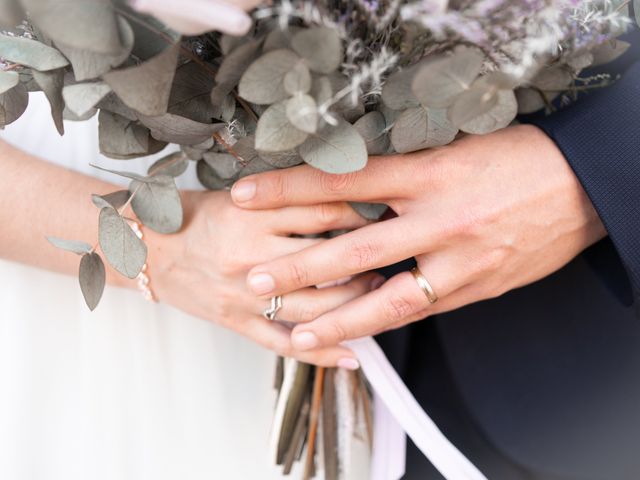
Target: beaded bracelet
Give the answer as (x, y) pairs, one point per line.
(142, 278)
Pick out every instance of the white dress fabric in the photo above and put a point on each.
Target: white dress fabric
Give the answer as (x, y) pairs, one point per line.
(132, 391)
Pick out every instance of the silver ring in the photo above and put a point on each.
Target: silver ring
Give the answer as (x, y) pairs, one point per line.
(276, 305)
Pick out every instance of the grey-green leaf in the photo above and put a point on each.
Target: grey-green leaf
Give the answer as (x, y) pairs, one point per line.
(234, 64)
(438, 83)
(92, 278)
(121, 246)
(82, 97)
(321, 47)
(302, 112)
(30, 53)
(338, 149)
(89, 64)
(174, 165)
(121, 138)
(501, 115)
(75, 246)
(8, 80)
(190, 93)
(419, 128)
(298, 80)
(372, 127)
(472, 103)
(51, 83)
(209, 178)
(113, 200)
(263, 82)
(146, 87)
(13, 103)
(225, 165)
(609, 50)
(275, 133)
(157, 204)
(397, 93)
(181, 130)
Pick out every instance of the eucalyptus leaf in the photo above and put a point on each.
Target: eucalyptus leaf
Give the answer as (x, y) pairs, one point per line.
(74, 246)
(500, 116)
(321, 47)
(554, 78)
(190, 93)
(397, 93)
(183, 131)
(209, 178)
(275, 133)
(302, 113)
(263, 82)
(338, 149)
(157, 204)
(256, 165)
(113, 200)
(69, 115)
(111, 103)
(286, 159)
(472, 103)
(298, 79)
(531, 100)
(80, 98)
(92, 278)
(84, 24)
(225, 165)
(146, 87)
(235, 63)
(174, 165)
(245, 149)
(8, 80)
(121, 246)
(13, 103)
(31, 53)
(419, 128)
(225, 109)
(437, 83)
(321, 89)
(89, 64)
(370, 211)
(51, 83)
(372, 127)
(121, 138)
(279, 38)
(609, 51)
(129, 175)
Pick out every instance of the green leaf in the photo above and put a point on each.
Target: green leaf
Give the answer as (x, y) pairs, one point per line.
(183, 131)
(121, 138)
(275, 133)
(370, 211)
(51, 83)
(439, 82)
(8, 80)
(82, 97)
(500, 116)
(419, 128)
(13, 103)
(396, 93)
(121, 246)
(263, 82)
(88, 64)
(31, 53)
(338, 149)
(174, 165)
(372, 127)
(302, 112)
(146, 87)
(298, 79)
(92, 278)
(321, 47)
(157, 204)
(75, 246)
(114, 200)
(84, 24)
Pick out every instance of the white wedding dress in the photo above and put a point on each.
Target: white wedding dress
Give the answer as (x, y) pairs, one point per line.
(132, 391)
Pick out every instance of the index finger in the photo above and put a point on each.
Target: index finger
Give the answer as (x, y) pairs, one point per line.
(305, 185)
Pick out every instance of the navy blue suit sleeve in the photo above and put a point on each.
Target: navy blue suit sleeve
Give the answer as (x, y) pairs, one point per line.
(600, 137)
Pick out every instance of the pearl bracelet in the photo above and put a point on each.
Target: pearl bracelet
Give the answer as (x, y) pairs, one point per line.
(142, 278)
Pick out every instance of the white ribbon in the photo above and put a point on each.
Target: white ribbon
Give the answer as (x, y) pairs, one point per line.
(403, 413)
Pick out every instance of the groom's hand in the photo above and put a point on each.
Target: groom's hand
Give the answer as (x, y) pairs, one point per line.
(482, 216)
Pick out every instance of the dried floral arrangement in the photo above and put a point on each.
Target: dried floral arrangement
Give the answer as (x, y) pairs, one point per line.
(328, 83)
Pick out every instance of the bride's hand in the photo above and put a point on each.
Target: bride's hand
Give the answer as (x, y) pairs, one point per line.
(202, 269)
(482, 216)
(195, 17)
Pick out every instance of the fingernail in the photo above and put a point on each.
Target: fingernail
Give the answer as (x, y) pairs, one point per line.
(377, 282)
(243, 191)
(261, 283)
(348, 363)
(304, 341)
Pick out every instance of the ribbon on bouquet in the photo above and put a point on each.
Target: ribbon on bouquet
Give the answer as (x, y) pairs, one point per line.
(397, 413)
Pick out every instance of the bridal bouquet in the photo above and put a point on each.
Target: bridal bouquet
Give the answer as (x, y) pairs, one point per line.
(326, 83)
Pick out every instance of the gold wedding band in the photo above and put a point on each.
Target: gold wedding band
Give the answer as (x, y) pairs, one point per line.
(424, 285)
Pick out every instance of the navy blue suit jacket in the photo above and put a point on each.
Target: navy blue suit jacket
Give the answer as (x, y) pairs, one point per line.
(550, 373)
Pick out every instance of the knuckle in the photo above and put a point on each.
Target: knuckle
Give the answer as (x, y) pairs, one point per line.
(298, 274)
(277, 187)
(307, 312)
(327, 214)
(397, 308)
(361, 255)
(332, 184)
(338, 332)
